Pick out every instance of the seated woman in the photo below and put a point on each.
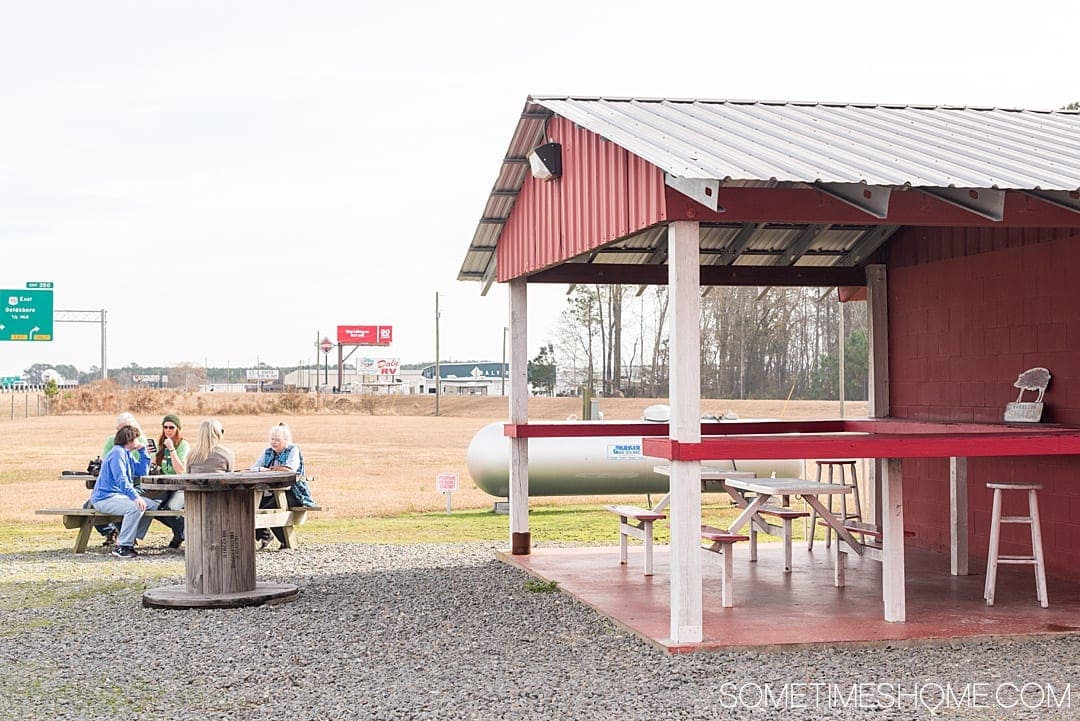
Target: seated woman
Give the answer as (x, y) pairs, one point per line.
(109, 531)
(115, 493)
(282, 455)
(172, 451)
(208, 455)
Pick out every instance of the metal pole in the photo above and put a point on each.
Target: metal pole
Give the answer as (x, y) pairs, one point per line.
(438, 375)
(104, 364)
(841, 364)
(503, 373)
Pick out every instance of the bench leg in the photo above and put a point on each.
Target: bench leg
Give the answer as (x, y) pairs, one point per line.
(622, 541)
(840, 565)
(787, 545)
(726, 578)
(289, 536)
(83, 537)
(753, 543)
(647, 527)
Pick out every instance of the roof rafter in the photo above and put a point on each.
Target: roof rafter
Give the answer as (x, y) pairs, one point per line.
(872, 200)
(738, 244)
(987, 203)
(796, 249)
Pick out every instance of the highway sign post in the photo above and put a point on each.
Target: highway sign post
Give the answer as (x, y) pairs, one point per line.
(27, 314)
(325, 345)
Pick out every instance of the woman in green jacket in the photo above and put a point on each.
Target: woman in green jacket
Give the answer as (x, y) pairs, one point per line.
(171, 458)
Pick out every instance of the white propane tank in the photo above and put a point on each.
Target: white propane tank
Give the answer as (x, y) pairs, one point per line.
(588, 466)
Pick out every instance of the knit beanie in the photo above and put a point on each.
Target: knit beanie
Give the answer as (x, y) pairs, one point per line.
(171, 418)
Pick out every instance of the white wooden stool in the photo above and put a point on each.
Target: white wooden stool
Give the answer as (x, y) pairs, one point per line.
(852, 480)
(993, 558)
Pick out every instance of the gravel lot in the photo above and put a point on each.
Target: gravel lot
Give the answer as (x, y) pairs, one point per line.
(448, 632)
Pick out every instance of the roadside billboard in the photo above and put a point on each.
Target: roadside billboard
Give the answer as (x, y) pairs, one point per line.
(365, 334)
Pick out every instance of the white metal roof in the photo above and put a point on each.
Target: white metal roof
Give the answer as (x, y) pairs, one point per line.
(902, 145)
(841, 149)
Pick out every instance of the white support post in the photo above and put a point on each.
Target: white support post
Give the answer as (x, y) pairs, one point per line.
(958, 516)
(877, 318)
(520, 539)
(892, 542)
(684, 293)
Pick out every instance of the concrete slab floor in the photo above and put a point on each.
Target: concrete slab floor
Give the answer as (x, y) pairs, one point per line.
(777, 610)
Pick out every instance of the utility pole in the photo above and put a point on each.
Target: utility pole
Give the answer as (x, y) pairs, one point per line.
(438, 381)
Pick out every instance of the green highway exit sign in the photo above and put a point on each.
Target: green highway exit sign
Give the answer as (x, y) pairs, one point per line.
(27, 314)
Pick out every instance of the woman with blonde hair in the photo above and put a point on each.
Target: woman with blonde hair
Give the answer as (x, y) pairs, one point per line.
(208, 455)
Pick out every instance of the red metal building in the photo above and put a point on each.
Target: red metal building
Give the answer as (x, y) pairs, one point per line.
(970, 215)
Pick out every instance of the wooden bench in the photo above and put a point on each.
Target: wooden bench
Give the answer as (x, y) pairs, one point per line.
(637, 523)
(871, 548)
(786, 516)
(720, 541)
(85, 519)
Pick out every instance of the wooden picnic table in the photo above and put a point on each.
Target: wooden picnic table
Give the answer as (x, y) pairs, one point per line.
(766, 488)
(220, 558)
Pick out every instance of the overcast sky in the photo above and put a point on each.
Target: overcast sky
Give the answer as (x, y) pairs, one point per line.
(229, 180)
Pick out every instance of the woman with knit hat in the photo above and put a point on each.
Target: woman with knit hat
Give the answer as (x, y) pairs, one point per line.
(171, 458)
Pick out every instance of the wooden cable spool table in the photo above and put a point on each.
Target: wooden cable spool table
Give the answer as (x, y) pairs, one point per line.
(219, 509)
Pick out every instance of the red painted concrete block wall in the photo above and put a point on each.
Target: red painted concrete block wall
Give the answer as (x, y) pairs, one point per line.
(965, 318)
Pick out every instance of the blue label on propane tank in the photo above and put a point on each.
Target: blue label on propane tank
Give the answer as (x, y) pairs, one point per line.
(624, 451)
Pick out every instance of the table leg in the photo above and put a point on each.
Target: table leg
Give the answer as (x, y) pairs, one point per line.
(835, 523)
(220, 558)
(749, 511)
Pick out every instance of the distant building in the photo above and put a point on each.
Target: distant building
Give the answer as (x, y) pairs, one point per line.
(476, 378)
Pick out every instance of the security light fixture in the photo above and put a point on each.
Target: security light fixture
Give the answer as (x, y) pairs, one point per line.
(545, 161)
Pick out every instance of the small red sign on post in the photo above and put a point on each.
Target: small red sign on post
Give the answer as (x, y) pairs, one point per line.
(325, 345)
(446, 482)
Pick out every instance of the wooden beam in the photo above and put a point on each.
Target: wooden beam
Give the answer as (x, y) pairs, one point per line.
(731, 275)
(520, 537)
(893, 572)
(685, 476)
(958, 516)
(871, 445)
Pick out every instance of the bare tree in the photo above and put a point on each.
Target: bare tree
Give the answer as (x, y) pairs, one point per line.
(755, 342)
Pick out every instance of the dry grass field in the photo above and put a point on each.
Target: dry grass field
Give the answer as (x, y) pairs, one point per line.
(371, 456)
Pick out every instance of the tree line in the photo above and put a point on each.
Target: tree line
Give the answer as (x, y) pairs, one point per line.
(755, 343)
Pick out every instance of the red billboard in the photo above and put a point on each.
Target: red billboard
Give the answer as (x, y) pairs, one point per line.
(365, 334)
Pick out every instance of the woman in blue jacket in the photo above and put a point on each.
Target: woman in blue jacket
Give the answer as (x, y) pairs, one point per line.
(115, 493)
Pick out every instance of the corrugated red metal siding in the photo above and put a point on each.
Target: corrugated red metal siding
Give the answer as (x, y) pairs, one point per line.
(926, 245)
(604, 194)
(969, 309)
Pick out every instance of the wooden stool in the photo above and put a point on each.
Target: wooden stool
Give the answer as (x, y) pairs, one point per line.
(853, 482)
(993, 558)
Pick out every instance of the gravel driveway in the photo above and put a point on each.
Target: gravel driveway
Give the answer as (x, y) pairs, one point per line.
(448, 632)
